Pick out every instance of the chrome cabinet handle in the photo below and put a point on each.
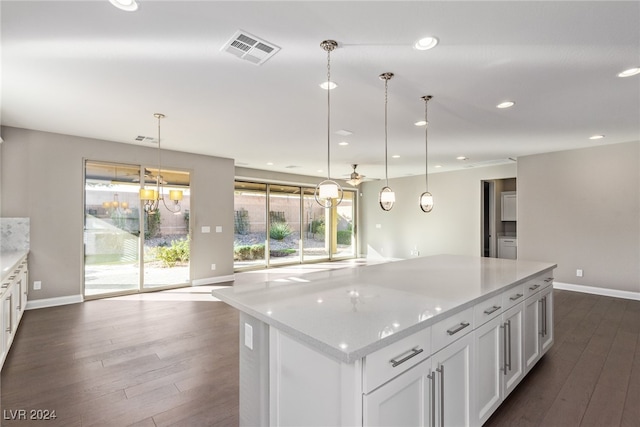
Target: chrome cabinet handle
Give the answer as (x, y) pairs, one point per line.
(508, 365)
(441, 370)
(432, 403)
(504, 348)
(458, 328)
(492, 309)
(544, 315)
(534, 287)
(515, 297)
(548, 279)
(413, 352)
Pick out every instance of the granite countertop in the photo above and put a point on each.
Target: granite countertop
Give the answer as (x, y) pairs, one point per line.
(349, 313)
(9, 260)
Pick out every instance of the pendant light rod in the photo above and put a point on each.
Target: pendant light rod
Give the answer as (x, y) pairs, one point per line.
(328, 193)
(387, 197)
(329, 46)
(426, 198)
(386, 77)
(426, 99)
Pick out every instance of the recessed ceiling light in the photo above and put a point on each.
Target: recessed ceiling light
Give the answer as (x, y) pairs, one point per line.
(343, 132)
(269, 163)
(420, 123)
(630, 72)
(128, 5)
(461, 158)
(425, 43)
(343, 143)
(506, 104)
(330, 85)
(438, 166)
(396, 156)
(596, 137)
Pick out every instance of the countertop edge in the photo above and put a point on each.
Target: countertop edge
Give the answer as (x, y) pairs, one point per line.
(352, 356)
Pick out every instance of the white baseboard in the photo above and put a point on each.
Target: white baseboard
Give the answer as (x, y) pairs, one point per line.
(213, 280)
(597, 291)
(53, 302)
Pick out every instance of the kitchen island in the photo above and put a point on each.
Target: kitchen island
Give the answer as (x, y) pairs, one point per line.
(436, 340)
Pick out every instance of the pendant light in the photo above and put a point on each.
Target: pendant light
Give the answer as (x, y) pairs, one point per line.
(328, 192)
(151, 198)
(426, 198)
(387, 197)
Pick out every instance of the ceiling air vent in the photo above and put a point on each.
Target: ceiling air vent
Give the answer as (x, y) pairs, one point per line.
(149, 139)
(251, 48)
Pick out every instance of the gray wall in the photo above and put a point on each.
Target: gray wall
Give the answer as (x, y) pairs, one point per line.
(453, 227)
(581, 210)
(42, 178)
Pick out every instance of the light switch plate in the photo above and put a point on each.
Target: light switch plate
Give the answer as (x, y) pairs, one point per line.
(248, 336)
(206, 229)
(218, 229)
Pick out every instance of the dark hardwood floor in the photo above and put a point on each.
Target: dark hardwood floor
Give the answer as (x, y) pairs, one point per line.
(118, 362)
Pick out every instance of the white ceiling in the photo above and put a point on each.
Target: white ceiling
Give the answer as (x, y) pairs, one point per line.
(86, 68)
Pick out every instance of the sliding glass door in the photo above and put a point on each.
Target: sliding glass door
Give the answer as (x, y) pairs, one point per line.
(283, 224)
(126, 250)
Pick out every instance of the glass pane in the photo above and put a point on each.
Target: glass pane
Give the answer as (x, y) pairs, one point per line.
(250, 225)
(314, 236)
(111, 228)
(284, 224)
(344, 235)
(166, 232)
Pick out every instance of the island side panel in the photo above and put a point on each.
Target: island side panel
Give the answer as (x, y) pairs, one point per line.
(254, 371)
(309, 388)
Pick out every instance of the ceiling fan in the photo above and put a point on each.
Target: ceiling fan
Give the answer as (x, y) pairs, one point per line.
(355, 178)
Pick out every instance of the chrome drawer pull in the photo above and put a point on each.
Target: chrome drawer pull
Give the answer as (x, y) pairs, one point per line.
(534, 287)
(414, 352)
(492, 309)
(515, 297)
(458, 328)
(548, 279)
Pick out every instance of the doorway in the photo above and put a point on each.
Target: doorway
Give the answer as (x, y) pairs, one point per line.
(492, 225)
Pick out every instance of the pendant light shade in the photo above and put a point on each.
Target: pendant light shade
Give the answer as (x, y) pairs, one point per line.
(387, 197)
(328, 193)
(426, 198)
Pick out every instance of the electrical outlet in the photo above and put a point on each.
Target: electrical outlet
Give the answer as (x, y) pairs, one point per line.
(213, 266)
(579, 272)
(37, 285)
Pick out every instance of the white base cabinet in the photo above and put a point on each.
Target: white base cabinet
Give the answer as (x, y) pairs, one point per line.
(538, 321)
(13, 301)
(408, 400)
(455, 372)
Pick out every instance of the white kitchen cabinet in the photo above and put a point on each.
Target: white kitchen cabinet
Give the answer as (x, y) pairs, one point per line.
(507, 247)
(513, 368)
(498, 361)
(405, 401)
(508, 206)
(454, 383)
(8, 323)
(538, 324)
(488, 343)
(13, 301)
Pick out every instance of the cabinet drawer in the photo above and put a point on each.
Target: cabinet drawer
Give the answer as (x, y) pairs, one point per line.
(394, 359)
(487, 310)
(450, 329)
(512, 296)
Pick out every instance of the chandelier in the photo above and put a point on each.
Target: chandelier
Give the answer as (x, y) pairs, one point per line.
(151, 197)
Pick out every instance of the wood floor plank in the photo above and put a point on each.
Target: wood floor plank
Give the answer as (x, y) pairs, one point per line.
(175, 363)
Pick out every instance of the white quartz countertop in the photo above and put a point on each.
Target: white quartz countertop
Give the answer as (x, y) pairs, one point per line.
(349, 313)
